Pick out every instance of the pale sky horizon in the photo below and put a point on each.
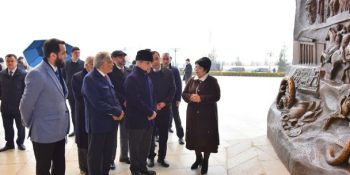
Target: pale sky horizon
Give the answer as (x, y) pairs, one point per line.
(245, 29)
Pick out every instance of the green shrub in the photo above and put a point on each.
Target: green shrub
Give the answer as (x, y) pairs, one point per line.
(247, 74)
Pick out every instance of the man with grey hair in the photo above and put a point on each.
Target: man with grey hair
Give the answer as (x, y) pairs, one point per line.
(166, 62)
(102, 113)
(81, 137)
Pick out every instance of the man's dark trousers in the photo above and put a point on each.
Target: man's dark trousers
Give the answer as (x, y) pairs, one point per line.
(7, 119)
(47, 154)
(139, 146)
(98, 152)
(162, 121)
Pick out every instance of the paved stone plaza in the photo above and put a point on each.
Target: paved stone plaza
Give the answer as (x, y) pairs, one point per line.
(244, 148)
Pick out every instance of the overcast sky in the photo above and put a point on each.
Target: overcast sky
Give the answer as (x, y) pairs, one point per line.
(248, 29)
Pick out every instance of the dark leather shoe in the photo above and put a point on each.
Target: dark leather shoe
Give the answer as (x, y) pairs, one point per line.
(5, 148)
(181, 141)
(197, 163)
(136, 173)
(171, 130)
(112, 166)
(125, 160)
(204, 169)
(21, 147)
(163, 163)
(148, 172)
(151, 163)
(71, 134)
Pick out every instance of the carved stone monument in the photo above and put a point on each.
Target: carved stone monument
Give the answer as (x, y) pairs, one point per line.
(308, 124)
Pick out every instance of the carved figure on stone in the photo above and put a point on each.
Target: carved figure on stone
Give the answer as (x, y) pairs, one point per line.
(286, 95)
(342, 113)
(320, 11)
(334, 45)
(333, 7)
(311, 9)
(336, 58)
(344, 5)
(345, 54)
(303, 112)
(338, 158)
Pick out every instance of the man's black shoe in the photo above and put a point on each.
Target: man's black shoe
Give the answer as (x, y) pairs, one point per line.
(181, 141)
(125, 160)
(71, 134)
(21, 147)
(148, 172)
(151, 163)
(112, 166)
(163, 163)
(171, 130)
(5, 148)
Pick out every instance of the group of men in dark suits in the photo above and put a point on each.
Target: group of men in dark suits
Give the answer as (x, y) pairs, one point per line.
(103, 96)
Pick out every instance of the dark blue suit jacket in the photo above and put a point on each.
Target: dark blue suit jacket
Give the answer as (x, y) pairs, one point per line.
(11, 90)
(140, 100)
(178, 82)
(81, 137)
(100, 103)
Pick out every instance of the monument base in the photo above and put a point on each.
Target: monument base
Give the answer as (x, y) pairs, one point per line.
(305, 154)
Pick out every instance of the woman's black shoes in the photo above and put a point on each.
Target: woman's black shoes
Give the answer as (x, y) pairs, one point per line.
(196, 163)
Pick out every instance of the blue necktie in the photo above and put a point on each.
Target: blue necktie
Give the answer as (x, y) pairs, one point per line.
(57, 75)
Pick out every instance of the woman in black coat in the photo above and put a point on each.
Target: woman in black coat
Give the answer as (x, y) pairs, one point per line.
(202, 93)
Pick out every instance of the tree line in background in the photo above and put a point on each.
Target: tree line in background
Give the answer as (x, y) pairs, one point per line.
(282, 63)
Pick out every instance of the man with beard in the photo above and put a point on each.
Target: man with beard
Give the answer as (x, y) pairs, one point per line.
(117, 76)
(166, 61)
(44, 111)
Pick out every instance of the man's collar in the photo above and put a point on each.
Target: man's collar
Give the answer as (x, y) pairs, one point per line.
(103, 74)
(13, 71)
(120, 68)
(141, 71)
(75, 60)
(53, 67)
(157, 70)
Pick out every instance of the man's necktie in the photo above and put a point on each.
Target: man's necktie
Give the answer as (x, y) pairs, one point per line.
(57, 75)
(11, 73)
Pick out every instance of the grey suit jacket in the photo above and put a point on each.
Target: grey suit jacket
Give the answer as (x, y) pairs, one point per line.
(43, 106)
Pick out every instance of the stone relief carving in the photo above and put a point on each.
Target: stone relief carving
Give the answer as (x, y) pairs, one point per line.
(286, 94)
(307, 80)
(295, 113)
(311, 9)
(344, 5)
(342, 113)
(308, 123)
(338, 53)
(333, 7)
(303, 112)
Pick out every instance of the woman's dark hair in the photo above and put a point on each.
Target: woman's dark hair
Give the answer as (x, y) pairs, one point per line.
(205, 63)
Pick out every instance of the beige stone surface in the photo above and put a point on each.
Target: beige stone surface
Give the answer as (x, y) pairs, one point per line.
(243, 149)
